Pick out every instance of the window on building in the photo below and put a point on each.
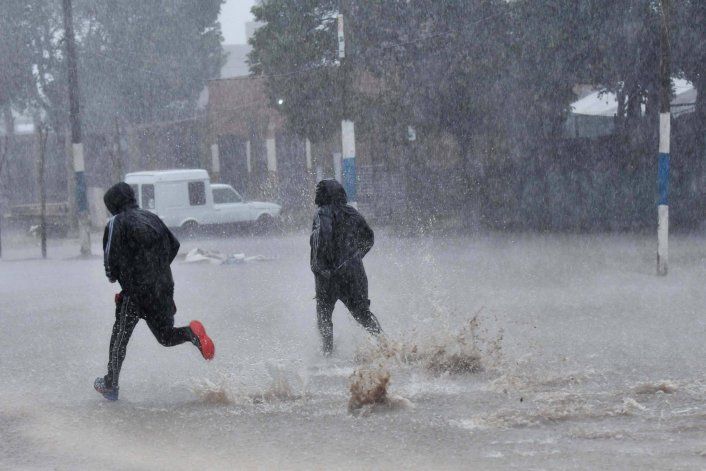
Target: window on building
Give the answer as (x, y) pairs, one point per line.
(197, 193)
(147, 197)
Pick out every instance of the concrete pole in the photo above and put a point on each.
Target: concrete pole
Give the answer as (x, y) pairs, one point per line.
(307, 149)
(338, 167)
(349, 173)
(271, 150)
(664, 138)
(271, 155)
(248, 156)
(347, 126)
(319, 173)
(215, 163)
(271, 186)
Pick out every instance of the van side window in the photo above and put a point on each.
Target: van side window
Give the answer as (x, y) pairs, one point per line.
(147, 197)
(197, 193)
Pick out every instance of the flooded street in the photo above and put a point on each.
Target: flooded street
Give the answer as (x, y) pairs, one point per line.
(578, 357)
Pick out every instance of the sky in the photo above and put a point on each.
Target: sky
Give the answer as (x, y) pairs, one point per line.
(234, 15)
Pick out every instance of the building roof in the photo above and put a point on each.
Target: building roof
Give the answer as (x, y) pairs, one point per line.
(167, 175)
(603, 103)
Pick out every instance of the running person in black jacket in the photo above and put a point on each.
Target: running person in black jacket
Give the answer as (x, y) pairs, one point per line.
(138, 249)
(339, 240)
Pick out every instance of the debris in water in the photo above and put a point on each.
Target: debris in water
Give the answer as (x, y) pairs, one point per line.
(214, 257)
(212, 393)
(369, 392)
(666, 387)
(630, 406)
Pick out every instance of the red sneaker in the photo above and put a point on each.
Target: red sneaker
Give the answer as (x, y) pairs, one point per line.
(208, 350)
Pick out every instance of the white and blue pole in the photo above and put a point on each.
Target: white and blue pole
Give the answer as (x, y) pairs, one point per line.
(347, 130)
(664, 137)
(348, 167)
(663, 201)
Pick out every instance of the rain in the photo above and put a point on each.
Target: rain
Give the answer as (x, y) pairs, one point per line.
(497, 204)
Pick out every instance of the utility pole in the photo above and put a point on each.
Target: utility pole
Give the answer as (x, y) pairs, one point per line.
(42, 135)
(664, 136)
(76, 144)
(347, 126)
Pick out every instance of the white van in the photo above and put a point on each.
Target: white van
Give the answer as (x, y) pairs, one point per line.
(186, 199)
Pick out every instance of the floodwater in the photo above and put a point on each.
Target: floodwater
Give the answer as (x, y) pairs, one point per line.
(527, 352)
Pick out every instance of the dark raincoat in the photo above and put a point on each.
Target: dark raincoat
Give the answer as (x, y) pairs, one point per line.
(138, 249)
(340, 238)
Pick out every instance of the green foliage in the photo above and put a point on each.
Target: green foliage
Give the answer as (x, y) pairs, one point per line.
(30, 56)
(689, 53)
(296, 49)
(15, 69)
(457, 66)
(147, 61)
(139, 61)
(498, 76)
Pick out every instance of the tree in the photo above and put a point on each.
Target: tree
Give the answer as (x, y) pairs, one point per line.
(15, 64)
(142, 62)
(295, 53)
(689, 51)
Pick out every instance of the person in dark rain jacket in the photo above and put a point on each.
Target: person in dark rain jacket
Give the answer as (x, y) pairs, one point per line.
(339, 240)
(138, 250)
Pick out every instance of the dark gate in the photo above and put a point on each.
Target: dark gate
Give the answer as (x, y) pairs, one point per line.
(234, 166)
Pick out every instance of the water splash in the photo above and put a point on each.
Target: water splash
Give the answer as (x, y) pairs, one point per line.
(465, 351)
(369, 394)
(283, 386)
(213, 393)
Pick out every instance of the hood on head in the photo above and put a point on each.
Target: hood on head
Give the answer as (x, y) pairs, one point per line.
(119, 198)
(330, 192)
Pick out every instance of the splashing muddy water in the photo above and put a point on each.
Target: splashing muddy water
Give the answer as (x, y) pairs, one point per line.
(369, 392)
(283, 386)
(466, 351)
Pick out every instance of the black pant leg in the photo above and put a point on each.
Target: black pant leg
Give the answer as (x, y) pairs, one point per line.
(160, 320)
(354, 294)
(361, 313)
(324, 319)
(326, 297)
(126, 318)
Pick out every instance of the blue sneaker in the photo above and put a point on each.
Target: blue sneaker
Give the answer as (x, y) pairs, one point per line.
(110, 393)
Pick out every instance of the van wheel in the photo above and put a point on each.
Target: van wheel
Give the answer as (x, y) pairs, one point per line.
(190, 228)
(264, 224)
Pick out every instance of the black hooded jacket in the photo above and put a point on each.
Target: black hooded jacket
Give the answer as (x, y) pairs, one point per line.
(340, 236)
(138, 248)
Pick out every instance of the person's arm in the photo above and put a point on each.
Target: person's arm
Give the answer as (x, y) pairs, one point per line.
(111, 247)
(173, 244)
(322, 242)
(367, 237)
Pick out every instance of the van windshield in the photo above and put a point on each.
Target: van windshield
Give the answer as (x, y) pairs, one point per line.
(226, 195)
